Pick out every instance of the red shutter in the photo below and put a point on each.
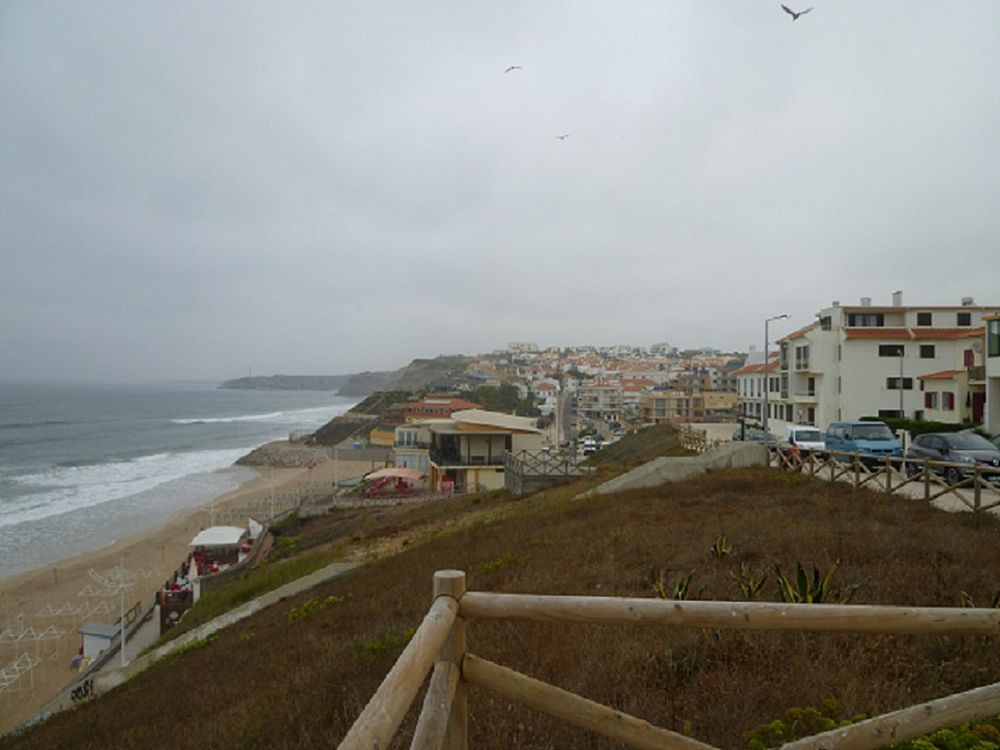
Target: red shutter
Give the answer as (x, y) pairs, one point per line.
(970, 358)
(928, 404)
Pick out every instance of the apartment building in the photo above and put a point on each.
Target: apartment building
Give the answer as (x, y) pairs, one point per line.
(992, 373)
(750, 388)
(922, 362)
(601, 401)
(661, 407)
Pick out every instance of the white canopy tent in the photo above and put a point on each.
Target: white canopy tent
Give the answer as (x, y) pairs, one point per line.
(219, 536)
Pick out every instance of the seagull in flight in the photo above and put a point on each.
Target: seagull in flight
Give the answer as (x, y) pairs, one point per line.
(512, 67)
(563, 137)
(793, 14)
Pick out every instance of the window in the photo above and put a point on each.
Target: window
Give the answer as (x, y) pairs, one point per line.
(965, 319)
(811, 387)
(993, 338)
(866, 320)
(825, 323)
(890, 350)
(892, 384)
(930, 400)
(802, 357)
(948, 401)
(923, 319)
(927, 351)
(788, 413)
(838, 384)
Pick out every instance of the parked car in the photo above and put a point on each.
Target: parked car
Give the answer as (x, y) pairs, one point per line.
(873, 440)
(966, 448)
(756, 435)
(801, 440)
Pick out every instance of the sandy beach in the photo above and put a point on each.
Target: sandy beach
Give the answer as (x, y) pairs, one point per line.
(57, 595)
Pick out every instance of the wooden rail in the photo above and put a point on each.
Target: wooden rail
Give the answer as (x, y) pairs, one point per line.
(441, 641)
(978, 492)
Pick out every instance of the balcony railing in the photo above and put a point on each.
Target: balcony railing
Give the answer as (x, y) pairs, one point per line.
(454, 459)
(977, 372)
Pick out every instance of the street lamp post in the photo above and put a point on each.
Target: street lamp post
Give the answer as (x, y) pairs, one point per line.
(901, 351)
(767, 383)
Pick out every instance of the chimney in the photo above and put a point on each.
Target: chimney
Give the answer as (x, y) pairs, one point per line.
(897, 299)
(836, 303)
(866, 301)
(968, 302)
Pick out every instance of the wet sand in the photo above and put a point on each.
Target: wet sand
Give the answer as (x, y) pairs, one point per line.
(49, 596)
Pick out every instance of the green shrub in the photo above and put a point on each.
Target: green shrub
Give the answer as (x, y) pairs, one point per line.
(507, 561)
(386, 642)
(805, 722)
(311, 606)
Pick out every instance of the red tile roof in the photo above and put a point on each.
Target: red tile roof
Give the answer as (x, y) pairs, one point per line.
(948, 333)
(878, 333)
(943, 375)
(799, 333)
(920, 334)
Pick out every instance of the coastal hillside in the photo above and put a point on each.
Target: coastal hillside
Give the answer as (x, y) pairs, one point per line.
(419, 374)
(297, 674)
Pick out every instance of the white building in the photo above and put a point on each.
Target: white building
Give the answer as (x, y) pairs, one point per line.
(856, 361)
(992, 373)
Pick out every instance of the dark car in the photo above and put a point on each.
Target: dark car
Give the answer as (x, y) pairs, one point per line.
(966, 448)
(752, 434)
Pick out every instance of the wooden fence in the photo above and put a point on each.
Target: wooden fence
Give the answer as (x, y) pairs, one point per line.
(695, 439)
(975, 486)
(439, 647)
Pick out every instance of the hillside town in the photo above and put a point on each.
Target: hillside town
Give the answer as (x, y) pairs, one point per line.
(925, 363)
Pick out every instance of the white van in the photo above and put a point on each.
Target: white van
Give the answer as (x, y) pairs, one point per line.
(807, 439)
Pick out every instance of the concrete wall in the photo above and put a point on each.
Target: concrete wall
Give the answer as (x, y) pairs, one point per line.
(660, 470)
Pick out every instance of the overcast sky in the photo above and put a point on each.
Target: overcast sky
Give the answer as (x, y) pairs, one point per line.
(192, 189)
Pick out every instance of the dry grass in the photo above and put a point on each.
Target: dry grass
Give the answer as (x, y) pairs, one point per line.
(285, 679)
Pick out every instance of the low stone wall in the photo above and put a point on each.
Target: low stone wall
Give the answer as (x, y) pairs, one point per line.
(664, 469)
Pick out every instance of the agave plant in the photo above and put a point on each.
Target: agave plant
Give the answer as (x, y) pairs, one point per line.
(815, 590)
(719, 548)
(748, 581)
(678, 591)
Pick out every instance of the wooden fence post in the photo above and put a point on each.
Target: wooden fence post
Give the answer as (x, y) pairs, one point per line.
(452, 583)
(977, 497)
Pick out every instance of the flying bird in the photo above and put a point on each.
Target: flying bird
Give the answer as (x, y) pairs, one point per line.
(793, 14)
(563, 137)
(512, 67)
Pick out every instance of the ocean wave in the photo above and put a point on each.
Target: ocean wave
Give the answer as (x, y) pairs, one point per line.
(63, 489)
(317, 414)
(41, 423)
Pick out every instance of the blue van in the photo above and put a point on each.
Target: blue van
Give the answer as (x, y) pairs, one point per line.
(867, 438)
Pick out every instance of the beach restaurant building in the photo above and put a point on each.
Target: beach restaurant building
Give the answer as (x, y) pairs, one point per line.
(467, 451)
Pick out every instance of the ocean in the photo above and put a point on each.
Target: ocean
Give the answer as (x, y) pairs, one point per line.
(84, 465)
